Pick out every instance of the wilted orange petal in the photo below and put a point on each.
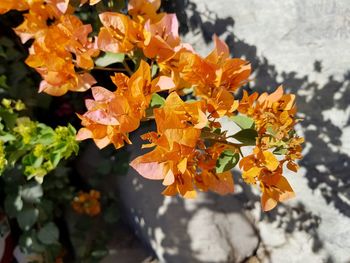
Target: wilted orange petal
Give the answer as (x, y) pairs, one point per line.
(292, 166)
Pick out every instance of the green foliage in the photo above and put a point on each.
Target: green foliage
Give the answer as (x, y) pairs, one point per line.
(246, 136)
(109, 58)
(226, 161)
(34, 176)
(36, 146)
(243, 121)
(16, 79)
(33, 149)
(157, 101)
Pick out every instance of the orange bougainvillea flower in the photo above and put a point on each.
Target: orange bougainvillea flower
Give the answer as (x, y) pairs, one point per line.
(143, 10)
(180, 158)
(161, 38)
(274, 112)
(172, 159)
(87, 203)
(117, 33)
(215, 77)
(263, 167)
(40, 16)
(58, 6)
(177, 114)
(216, 70)
(275, 188)
(51, 55)
(7, 5)
(112, 115)
(171, 163)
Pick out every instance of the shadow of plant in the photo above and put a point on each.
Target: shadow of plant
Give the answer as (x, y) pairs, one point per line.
(322, 135)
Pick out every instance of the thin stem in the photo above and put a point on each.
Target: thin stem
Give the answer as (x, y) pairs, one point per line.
(127, 68)
(236, 145)
(240, 151)
(148, 118)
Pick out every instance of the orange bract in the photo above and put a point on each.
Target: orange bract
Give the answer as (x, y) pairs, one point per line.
(51, 56)
(177, 159)
(112, 115)
(143, 10)
(7, 5)
(263, 167)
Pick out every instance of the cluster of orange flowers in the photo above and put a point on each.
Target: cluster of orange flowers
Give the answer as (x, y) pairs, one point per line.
(191, 152)
(87, 203)
(61, 52)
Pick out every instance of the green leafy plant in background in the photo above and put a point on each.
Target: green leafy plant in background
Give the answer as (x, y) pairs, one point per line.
(29, 150)
(36, 190)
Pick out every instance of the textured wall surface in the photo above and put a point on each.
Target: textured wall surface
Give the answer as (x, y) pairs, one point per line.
(303, 45)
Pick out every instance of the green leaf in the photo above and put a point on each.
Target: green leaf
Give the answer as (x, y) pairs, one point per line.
(31, 192)
(45, 210)
(30, 160)
(13, 204)
(55, 158)
(48, 234)
(154, 70)
(271, 131)
(46, 138)
(226, 161)
(9, 118)
(280, 151)
(246, 136)
(71, 129)
(7, 137)
(99, 253)
(109, 58)
(29, 243)
(111, 214)
(3, 83)
(243, 121)
(27, 218)
(157, 101)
